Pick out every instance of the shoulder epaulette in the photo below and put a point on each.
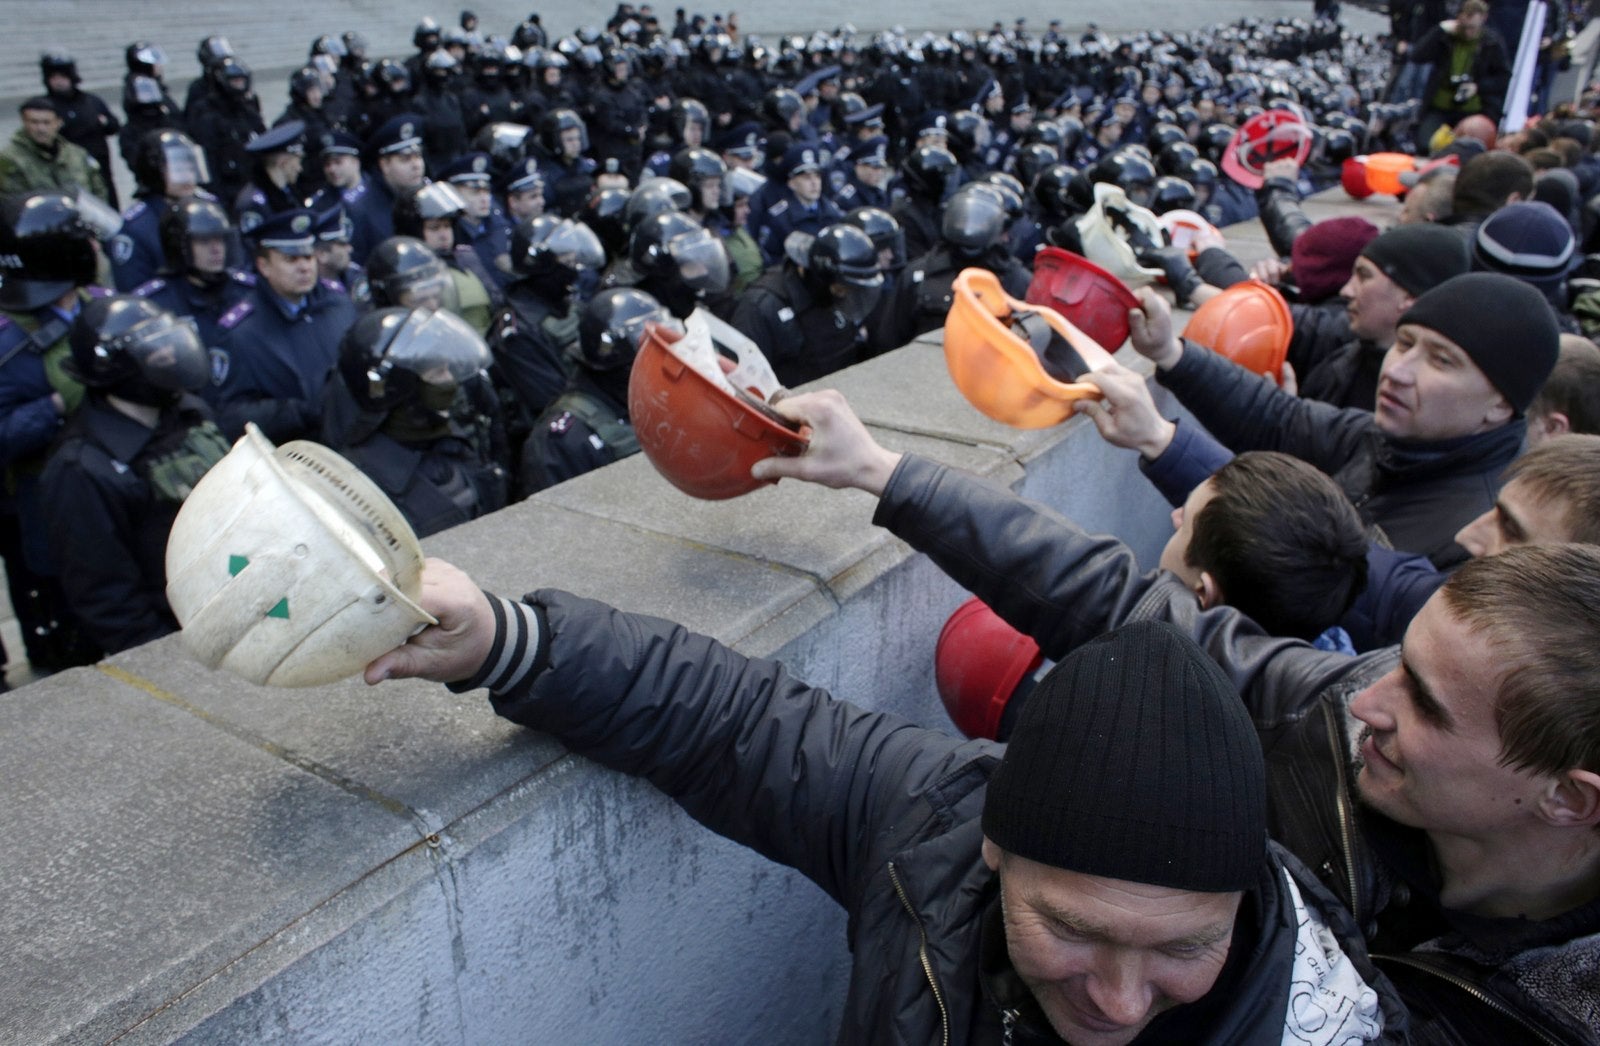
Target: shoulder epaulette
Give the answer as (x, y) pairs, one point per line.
(239, 276)
(778, 208)
(234, 316)
(149, 287)
(133, 212)
(354, 193)
(332, 285)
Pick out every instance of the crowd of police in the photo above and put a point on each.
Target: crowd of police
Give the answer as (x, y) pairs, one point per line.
(440, 264)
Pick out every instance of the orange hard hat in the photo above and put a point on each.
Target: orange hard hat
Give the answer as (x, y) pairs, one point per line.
(1089, 297)
(978, 664)
(1353, 176)
(1015, 362)
(1276, 134)
(1384, 171)
(1183, 226)
(1249, 323)
(702, 435)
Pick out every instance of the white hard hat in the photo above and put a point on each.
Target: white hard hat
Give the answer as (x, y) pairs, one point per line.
(1108, 247)
(289, 567)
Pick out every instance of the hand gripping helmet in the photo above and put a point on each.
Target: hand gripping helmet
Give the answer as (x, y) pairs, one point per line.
(973, 219)
(656, 196)
(169, 163)
(1087, 296)
(185, 222)
(555, 249)
(410, 361)
(427, 202)
(883, 229)
(1275, 134)
(701, 428)
(929, 172)
(979, 664)
(403, 271)
(1015, 362)
(842, 266)
(289, 567)
(678, 261)
(136, 349)
(1249, 323)
(613, 325)
(45, 245)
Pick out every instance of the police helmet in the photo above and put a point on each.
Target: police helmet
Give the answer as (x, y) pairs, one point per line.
(843, 264)
(45, 246)
(612, 325)
(883, 229)
(555, 249)
(1130, 172)
(427, 202)
(604, 213)
(169, 159)
(974, 219)
(135, 348)
(403, 271)
(553, 123)
(656, 196)
(1172, 193)
(412, 360)
(929, 171)
(191, 220)
(672, 251)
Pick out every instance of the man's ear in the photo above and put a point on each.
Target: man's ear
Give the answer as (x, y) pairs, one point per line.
(991, 854)
(1499, 412)
(1554, 423)
(1207, 591)
(1572, 800)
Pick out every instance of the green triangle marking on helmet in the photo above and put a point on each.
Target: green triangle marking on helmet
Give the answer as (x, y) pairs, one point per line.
(280, 609)
(236, 564)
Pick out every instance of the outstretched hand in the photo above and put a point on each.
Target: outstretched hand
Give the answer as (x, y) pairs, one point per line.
(1150, 328)
(1126, 416)
(457, 646)
(842, 453)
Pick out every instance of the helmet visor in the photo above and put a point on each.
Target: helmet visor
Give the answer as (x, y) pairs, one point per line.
(439, 347)
(855, 300)
(701, 260)
(97, 216)
(168, 352)
(184, 163)
(576, 245)
(428, 287)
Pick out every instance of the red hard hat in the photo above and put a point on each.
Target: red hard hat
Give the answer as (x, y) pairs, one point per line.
(978, 664)
(1091, 299)
(1276, 134)
(1353, 176)
(1249, 323)
(699, 435)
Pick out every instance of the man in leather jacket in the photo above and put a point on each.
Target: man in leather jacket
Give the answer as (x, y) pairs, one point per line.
(1466, 850)
(983, 908)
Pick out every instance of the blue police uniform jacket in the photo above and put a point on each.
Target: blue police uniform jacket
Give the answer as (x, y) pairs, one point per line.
(275, 358)
(205, 306)
(136, 250)
(370, 207)
(787, 214)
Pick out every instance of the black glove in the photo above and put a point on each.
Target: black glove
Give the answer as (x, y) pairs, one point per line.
(1175, 265)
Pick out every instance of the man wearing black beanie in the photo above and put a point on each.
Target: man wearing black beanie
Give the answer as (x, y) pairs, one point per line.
(1106, 880)
(1469, 357)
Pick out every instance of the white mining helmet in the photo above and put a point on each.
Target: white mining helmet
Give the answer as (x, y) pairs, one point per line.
(288, 567)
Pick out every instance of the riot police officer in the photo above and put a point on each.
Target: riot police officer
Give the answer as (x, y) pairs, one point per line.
(807, 317)
(929, 175)
(408, 371)
(397, 147)
(125, 464)
(196, 282)
(86, 120)
(168, 169)
(429, 213)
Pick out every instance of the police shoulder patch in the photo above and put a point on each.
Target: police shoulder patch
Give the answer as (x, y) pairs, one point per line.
(249, 221)
(144, 290)
(122, 249)
(778, 208)
(219, 366)
(234, 316)
(332, 285)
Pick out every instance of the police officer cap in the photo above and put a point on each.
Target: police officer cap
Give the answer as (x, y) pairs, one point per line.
(334, 226)
(872, 114)
(934, 121)
(524, 176)
(873, 151)
(339, 143)
(799, 158)
(468, 169)
(401, 134)
(289, 232)
(743, 140)
(287, 137)
(810, 84)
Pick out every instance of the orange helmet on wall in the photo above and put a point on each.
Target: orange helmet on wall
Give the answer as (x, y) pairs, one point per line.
(1017, 363)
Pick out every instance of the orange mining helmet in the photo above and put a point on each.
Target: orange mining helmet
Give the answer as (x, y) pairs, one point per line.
(701, 433)
(978, 664)
(1087, 296)
(1249, 323)
(1017, 363)
(1384, 171)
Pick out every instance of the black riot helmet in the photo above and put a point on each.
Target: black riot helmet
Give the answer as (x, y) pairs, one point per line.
(686, 111)
(973, 220)
(391, 78)
(1172, 194)
(678, 260)
(842, 267)
(968, 134)
(1011, 191)
(133, 348)
(428, 201)
(656, 196)
(1202, 174)
(779, 106)
(555, 250)
(928, 172)
(1053, 191)
(403, 271)
(213, 49)
(1174, 156)
(169, 163)
(1214, 138)
(883, 229)
(1034, 158)
(425, 37)
(144, 58)
(506, 144)
(1072, 133)
(55, 62)
(231, 76)
(1165, 134)
(553, 123)
(46, 246)
(603, 212)
(1338, 145)
(613, 324)
(694, 168)
(409, 364)
(1129, 171)
(186, 222)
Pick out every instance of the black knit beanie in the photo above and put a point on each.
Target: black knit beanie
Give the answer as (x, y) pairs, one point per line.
(1134, 760)
(1505, 325)
(1419, 256)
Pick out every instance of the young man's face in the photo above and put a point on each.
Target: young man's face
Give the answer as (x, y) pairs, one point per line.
(1429, 389)
(1430, 753)
(208, 254)
(872, 174)
(439, 234)
(1521, 516)
(1373, 302)
(402, 171)
(1104, 957)
(478, 199)
(807, 187)
(58, 83)
(526, 204)
(333, 258)
(340, 170)
(1175, 556)
(571, 143)
(41, 125)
